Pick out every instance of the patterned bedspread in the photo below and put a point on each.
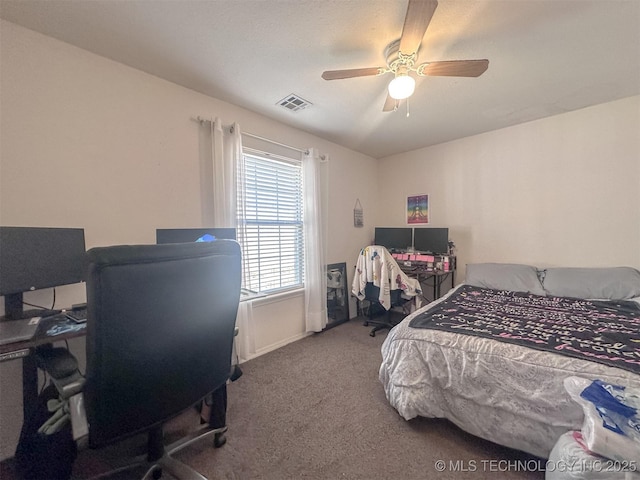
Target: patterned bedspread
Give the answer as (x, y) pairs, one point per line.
(607, 332)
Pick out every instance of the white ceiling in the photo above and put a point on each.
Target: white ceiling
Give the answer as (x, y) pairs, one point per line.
(546, 57)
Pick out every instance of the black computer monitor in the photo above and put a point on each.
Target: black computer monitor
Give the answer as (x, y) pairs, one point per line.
(393, 238)
(432, 240)
(33, 258)
(188, 235)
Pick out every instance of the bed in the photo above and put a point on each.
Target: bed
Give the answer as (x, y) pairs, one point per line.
(510, 391)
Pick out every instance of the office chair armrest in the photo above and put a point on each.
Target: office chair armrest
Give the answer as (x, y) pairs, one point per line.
(56, 361)
(62, 367)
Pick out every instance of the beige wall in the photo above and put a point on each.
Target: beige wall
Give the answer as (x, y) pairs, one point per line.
(88, 142)
(563, 190)
(559, 191)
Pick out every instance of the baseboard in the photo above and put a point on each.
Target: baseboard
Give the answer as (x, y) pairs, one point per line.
(276, 346)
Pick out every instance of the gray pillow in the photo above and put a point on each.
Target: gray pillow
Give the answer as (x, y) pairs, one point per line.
(505, 276)
(615, 283)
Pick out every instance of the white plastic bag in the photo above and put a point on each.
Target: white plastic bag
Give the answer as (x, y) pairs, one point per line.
(569, 461)
(611, 425)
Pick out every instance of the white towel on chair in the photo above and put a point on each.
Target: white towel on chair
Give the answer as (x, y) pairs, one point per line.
(376, 265)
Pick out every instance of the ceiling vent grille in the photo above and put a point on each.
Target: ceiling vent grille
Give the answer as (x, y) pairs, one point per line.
(294, 103)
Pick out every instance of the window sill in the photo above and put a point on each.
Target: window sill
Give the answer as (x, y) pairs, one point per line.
(279, 296)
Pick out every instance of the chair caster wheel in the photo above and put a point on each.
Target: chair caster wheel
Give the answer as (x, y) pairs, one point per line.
(372, 334)
(366, 324)
(219, 439)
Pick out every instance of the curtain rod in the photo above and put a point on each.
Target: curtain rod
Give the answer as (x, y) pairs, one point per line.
(258, 137)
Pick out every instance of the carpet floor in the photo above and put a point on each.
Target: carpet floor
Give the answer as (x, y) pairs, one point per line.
(315, 409)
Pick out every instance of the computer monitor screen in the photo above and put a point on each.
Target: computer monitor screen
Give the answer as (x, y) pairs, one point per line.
(33, 258)
(432, 240)
(188, 235)
(393, 238)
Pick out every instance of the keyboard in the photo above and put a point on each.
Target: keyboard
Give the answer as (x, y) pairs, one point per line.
(78, 315)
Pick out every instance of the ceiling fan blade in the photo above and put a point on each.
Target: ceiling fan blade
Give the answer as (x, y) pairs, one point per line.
(390, 104)
(454, 68)
(354, 72)
(419, 13)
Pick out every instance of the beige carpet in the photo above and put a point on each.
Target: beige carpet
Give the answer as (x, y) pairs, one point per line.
(315, 409)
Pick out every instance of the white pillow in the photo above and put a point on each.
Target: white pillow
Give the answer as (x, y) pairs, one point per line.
(505, 276)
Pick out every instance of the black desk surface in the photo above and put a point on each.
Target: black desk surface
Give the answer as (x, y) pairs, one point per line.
(51, 329)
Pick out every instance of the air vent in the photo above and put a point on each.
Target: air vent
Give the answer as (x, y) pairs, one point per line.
(294, 103)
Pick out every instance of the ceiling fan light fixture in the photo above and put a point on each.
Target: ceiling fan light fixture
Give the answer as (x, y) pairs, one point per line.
(401, 64)
(402, 86)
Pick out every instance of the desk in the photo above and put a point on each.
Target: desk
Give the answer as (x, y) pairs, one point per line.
(51, 329)
(425, 276)
(428, 268)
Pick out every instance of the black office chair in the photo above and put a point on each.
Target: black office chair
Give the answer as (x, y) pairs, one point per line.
(375, 263)
(160, 330)
(376, 314)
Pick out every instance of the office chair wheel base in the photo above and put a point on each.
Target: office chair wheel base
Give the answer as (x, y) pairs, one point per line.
(372, 334)
(219, 439)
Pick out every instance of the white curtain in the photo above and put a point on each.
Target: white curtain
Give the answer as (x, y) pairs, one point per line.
(226, 162)
(245, 342)
(226, 150)
(315, 230)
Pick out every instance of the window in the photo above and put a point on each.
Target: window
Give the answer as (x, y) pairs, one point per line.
(270, 223)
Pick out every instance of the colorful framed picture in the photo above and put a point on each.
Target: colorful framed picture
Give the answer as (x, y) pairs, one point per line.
(418, 209)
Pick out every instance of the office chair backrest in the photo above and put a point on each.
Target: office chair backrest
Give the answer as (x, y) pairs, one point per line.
(372, 294)
(160, 327)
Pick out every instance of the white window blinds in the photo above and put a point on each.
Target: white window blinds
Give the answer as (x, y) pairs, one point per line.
(270, 222)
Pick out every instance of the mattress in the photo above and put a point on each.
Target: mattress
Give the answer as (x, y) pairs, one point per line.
(506, 393)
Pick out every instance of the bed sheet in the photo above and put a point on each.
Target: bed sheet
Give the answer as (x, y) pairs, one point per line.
(508, 394)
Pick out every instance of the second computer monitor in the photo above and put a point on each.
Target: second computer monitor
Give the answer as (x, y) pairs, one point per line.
(432, 240)
(393, 238)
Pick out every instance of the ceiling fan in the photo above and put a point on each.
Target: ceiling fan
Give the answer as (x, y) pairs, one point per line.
(402, 55)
